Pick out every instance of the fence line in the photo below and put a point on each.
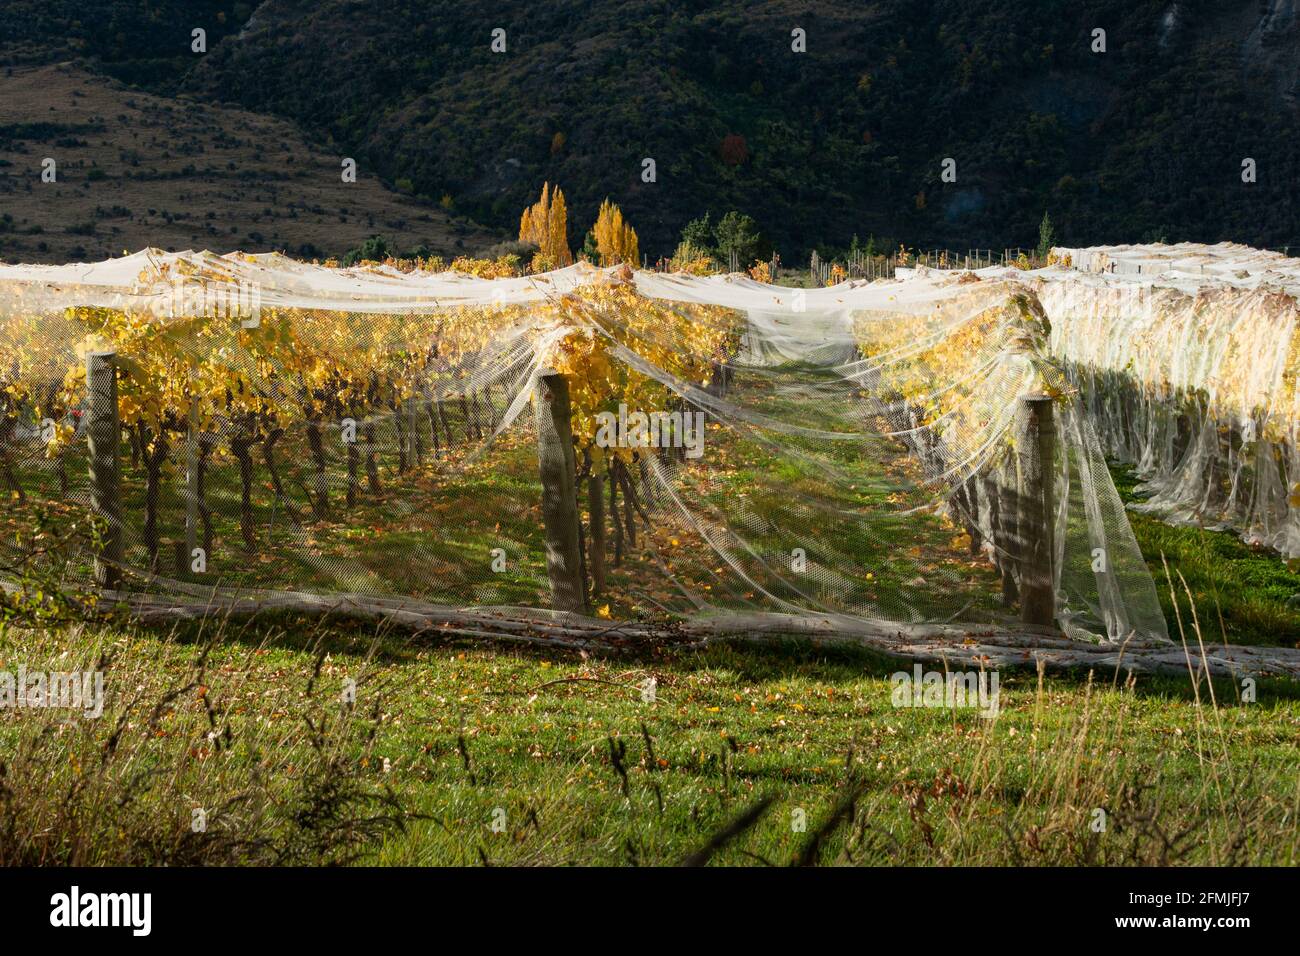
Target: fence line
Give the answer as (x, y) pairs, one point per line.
(860, 265)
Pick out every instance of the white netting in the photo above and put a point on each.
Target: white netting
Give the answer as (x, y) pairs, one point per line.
(1189, 366)
(850, 452)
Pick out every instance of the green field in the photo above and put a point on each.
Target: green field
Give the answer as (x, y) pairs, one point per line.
(443, 739)
(468, 753)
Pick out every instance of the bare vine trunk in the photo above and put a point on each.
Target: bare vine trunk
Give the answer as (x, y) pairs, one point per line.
(596, 507)
(207, 443)
(433, 427)
(613, 512)
(320, 499)
(240, 447)
(401, 439)
(8, 424)
(354, 462)
(155, 454)
(273, 468)
(372, 465)
(471, 426)
(417, 436)
(446, 425)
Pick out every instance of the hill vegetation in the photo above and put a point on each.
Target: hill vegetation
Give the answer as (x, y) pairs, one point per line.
(135, 170)
(1144, 141)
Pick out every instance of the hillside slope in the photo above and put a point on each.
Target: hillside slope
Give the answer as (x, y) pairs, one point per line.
(136, 170)
(1143, 141)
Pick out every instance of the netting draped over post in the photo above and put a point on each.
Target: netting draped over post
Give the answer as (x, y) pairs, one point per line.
(940, 362)
(719, 448)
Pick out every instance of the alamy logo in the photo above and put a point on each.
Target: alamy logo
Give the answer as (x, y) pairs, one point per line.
(71, 690)
(103, 909)
(238, 300)
(626, 429)
(958, 690)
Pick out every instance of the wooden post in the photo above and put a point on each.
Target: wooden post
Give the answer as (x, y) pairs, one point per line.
(102, 434)
(559, 491)
(1035, 457)
(191, 486)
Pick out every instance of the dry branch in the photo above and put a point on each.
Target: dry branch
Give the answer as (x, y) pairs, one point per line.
(974, 646)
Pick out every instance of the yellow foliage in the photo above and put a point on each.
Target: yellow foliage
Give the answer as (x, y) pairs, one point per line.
(692, 261)
(300, 365)
(987, 342)
(546, 225)
(616, 240)
(682, 339)
(503, 267)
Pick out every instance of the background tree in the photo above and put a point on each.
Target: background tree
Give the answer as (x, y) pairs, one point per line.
(374, 249)
(616, 240)
(546, 225)
(698, 235)
(737, 238)
(734, 150)
(1046, 236)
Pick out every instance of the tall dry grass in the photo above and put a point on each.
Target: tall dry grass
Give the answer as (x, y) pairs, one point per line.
(178, 773)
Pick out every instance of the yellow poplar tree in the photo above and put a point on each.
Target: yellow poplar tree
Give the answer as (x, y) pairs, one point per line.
(546, 225)
(615, 239)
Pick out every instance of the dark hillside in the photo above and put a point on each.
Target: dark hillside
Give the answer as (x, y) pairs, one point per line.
(1143, 141)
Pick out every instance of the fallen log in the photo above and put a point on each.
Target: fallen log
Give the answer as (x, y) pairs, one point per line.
(947, 644)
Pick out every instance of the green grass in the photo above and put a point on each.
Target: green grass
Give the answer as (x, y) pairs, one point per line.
(1241, 592)
(458, 735)
(564, 750)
